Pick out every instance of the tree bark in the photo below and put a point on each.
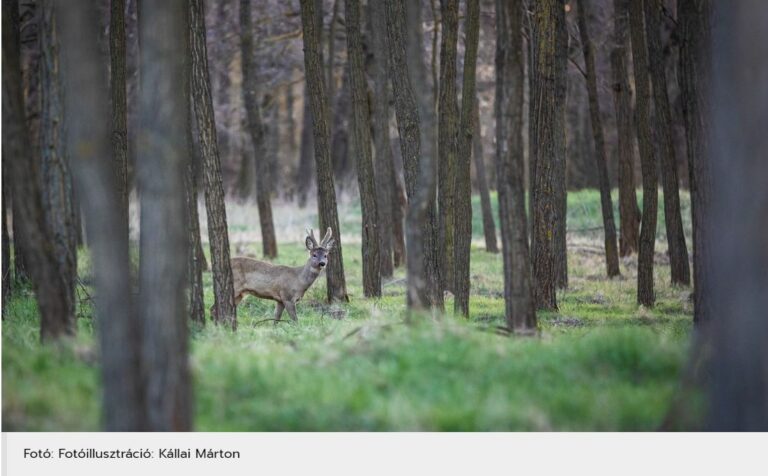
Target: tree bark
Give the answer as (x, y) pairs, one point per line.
(341, 142)
(88, 143)
(161, 169)
(549, 21)
(645, 293)
(256, 129)
(306, 168)
(7, 276)
(56, 318)
(678, 252)
(520, 312)
(117, 84)
(629, 213)
(609, 227)
(463, 189)
(326, 194)
(448, 136)
(489, 227)
(561, 165)
(223, 286)
(695, 73)
(361, 123)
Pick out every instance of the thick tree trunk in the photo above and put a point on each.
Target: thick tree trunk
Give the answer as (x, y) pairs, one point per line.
(51, 290)
(678, 252)
(256, 129)
(326, 194)
(223, 286)
(550, 18)
(463, 189)
(117, 84)
(89, 148)
(738, 388)
(384, 165)
(609, 227)
(629, 212)
(645, 294)
(361, 122)
(520, 311)
(695, 74)
(448, 136)
(161, 168)
(489, 227)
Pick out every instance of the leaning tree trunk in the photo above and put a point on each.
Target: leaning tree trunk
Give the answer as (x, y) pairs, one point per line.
(550, 18)
(361, 124)
(162, 165)
(384, 164)
(54, 303)
(448, 134)
(629, 213)
(256, 128)
(678, 252)
(58, 200)
(463, 189)
(609, 227)
(223, 286)
(489, 227)
(88, 138)
(695, 74)
(738, 388)
(326, 194)
(520, 311)
(645, 295)
(117, 84)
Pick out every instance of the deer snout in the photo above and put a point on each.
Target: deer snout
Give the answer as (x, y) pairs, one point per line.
(321, 264)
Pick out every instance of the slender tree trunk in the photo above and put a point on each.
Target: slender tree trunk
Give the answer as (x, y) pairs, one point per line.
(645, 294)
(306, 169)
(88, 143)
(463, 189)
(161, 169)
(520, 311)
(561, 191)
(326, 194)
(678, 252)
(489, 227)
(609, 227)
(738, 388)
(549, 21)
(20, 243)
(448, 136)
(399, 205)
(329, 81)
(56, 318)
(435, 34)
(117, 84)
(223, 286)
(7, 276)
(341, 142)
(695, 74)
(629, 212)
(384, 165)
(256, 128)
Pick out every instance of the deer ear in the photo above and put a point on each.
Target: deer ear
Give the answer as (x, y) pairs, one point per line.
(329, 245)
(309, 244)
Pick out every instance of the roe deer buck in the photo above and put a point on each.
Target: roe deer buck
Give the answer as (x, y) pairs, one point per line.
(282, 284)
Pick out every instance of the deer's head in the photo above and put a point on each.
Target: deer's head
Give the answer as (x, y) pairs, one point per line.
(318, 253)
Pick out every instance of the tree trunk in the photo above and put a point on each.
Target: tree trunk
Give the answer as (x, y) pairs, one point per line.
(223, 286)
(326, 194)
(384, 165)
(361, 123)
(695, 74)
(448, 136)
(645, 294)
(399, 205)
(678, 252)
(520, 312)
(89, 148)
(161, 168)
(117, 84)
(256, 128)
(609, 227)
(489, 227)
(7, 277)
(629, 213)
(329, 80)
(561, 193)
(463, 189)
(306, 169)
(341, 142)
(549, 21)
(54, 302)
(738, 388)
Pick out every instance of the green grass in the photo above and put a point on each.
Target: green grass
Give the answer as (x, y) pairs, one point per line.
(600, 362)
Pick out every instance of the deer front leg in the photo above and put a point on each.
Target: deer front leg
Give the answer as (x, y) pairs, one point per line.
(278, 311)
(290, 306)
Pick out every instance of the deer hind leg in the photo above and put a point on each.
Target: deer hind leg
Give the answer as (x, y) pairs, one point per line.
(290, 306)
(278, 311)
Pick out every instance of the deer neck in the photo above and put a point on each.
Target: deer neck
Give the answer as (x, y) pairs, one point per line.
(308, 275)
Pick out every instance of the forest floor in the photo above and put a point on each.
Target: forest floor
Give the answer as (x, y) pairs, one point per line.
(600, 363)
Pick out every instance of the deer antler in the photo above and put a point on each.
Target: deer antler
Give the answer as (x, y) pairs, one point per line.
(327, 241)
(311, 236)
